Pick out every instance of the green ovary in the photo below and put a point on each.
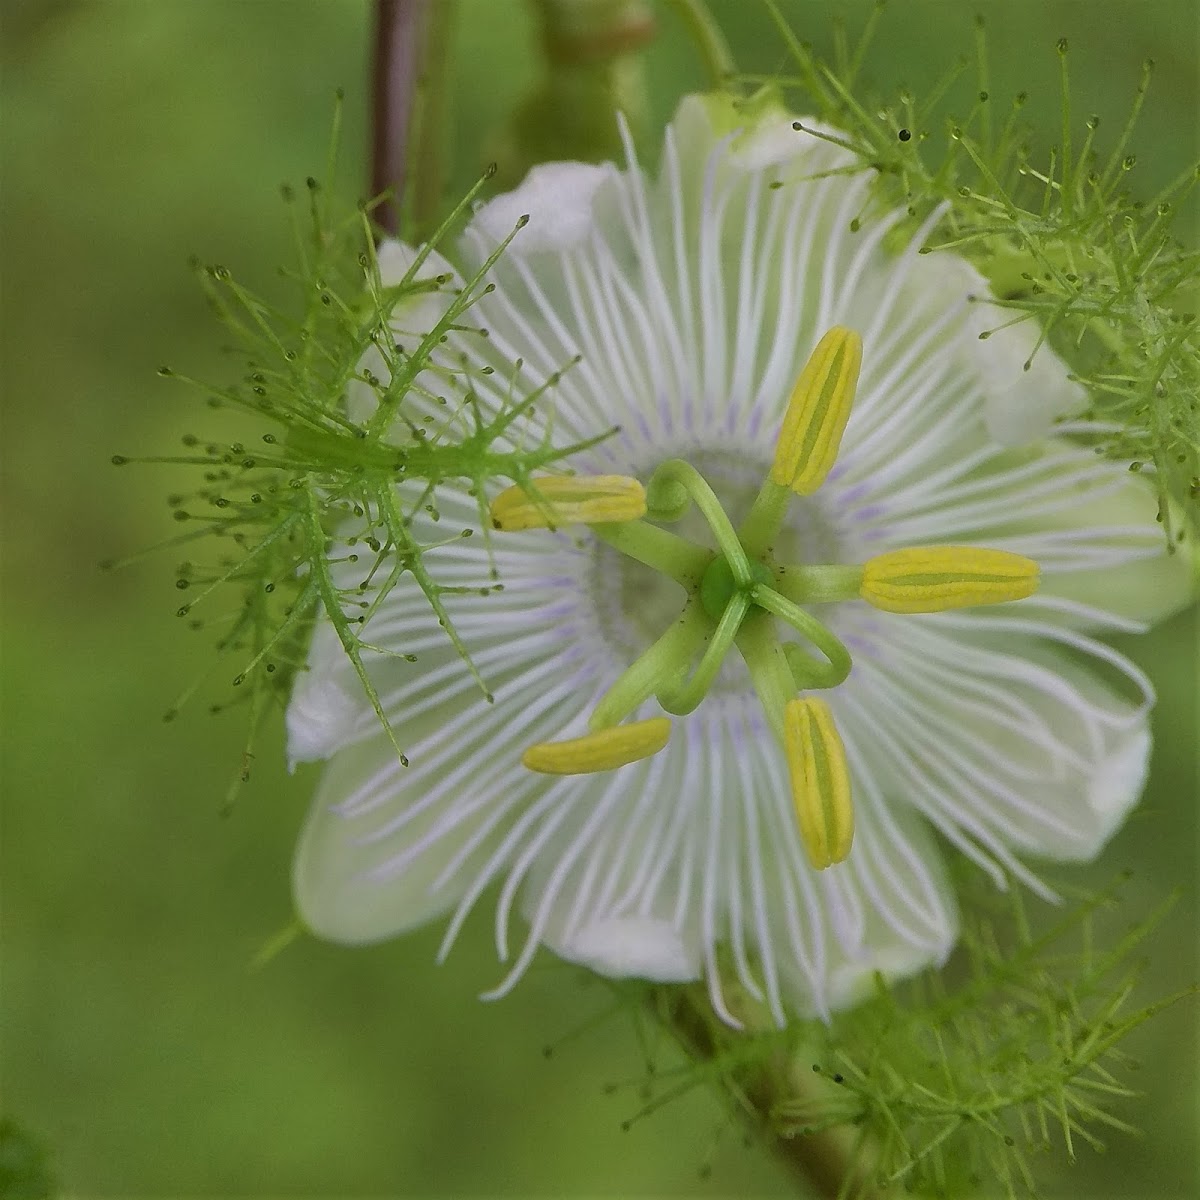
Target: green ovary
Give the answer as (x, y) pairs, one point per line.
(718, 585)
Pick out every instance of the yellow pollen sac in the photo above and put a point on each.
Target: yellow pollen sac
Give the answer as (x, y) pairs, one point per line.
(817, 413)
(556, 500)
(934, 578)
(820, 780)
(605, 750)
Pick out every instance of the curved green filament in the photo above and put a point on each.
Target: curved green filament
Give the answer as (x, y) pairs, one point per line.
(807, 671)
(676, 472)
(654, 669)
(685, 697)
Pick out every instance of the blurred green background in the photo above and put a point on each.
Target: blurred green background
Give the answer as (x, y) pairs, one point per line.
(137, 1042)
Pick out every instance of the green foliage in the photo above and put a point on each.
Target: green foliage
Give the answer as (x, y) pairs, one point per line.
(285, 514)
(1064, 243)
(946, 1085)
(957, 1083)
(25, 1172)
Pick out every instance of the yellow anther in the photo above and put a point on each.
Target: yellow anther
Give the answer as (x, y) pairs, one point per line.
(934, 578)
(817, 413)
(605, 750)
(820, 780)
(555, 500)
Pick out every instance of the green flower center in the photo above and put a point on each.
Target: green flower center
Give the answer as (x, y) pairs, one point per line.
(718, 585)
(736, 595)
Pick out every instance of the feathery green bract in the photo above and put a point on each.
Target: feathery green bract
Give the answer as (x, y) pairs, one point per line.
(284, 514)
(1063, 243)
(1011, 1049)
(944, 1085)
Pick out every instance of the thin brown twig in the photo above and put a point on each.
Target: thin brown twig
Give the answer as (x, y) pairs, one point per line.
(400, 33)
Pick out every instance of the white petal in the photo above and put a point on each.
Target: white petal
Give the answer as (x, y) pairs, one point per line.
(758, 139)
(557, 197)
(387, 847)
(590, 897)
(322, 714)
(337, 894)
(1130, 571)
(631, 947)
(1020, 405)
(1120, 779)
(1027, 749)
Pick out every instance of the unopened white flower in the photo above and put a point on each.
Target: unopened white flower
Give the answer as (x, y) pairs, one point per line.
(724, 731)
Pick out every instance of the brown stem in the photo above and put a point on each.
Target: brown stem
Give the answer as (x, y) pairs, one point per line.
(826, 1161)
(400, 33)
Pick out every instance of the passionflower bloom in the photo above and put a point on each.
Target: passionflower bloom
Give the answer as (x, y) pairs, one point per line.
(833, 585)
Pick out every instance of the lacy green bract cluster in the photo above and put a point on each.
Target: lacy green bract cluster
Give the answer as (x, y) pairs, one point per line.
(948, 1085)
(1065, 244)
(272, 508)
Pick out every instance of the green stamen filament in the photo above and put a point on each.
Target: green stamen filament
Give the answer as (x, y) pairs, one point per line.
(658, 549)
(656, 668)
(765, 519)
(818, 584)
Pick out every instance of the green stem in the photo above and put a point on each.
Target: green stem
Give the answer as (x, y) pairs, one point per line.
(826, 1163)
(709, 39)
(433, 111)
(410, 100)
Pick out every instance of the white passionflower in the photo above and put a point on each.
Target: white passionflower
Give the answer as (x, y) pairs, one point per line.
(739, 664)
